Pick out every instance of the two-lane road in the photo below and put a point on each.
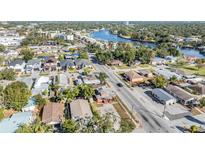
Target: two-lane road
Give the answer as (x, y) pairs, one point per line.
(151, 120)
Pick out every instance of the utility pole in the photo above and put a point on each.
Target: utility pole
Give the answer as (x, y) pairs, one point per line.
(165, 105)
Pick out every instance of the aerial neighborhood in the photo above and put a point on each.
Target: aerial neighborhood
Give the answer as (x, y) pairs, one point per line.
(101, 78)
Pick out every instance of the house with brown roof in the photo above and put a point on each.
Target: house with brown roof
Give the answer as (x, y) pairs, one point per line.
(53, 113)
(80, 109)
(116, 63)
(104, 95)
(134, 77)
(182, 96)
(146, 73)
(50, 64)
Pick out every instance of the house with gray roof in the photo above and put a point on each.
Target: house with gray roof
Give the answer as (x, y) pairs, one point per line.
(18, 65)
(163, 96)
(82, 63)
(33, 65)
(80, 109)
(182, 96)
(65, 64)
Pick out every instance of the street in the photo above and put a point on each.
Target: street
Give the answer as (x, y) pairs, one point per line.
(151, 120)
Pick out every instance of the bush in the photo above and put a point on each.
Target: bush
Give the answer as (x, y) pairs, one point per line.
(127, 126)
(1, 113)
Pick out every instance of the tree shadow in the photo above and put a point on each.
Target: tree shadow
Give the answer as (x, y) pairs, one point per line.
(191, 118)
(182, 129)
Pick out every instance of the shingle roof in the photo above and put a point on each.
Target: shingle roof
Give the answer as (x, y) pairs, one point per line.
(80, 108)
(133, 75)
(53, 113)
(179, 92)
(33, 61)
(15, 62)
(67, 63)
(81, 62)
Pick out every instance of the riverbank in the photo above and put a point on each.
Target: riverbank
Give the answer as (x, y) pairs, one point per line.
(107, 35)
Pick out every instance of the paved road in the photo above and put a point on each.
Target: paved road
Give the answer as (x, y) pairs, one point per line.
(151, 119)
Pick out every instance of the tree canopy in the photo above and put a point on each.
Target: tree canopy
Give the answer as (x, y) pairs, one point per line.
(160, 81)
(27, 53)
(16, 95)
(7, 74)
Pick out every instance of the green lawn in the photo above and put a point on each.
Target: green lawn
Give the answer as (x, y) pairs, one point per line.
(124, 66)
(193, 69)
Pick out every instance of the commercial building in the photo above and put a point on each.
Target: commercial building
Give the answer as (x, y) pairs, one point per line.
(163, 96)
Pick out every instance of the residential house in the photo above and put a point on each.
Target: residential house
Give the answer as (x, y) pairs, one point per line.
(104, 95)
(167, 74)
(182, 96)
(116, 63)
(41, 85)
(199, 88)
(67, 63)
(134, 77)
(50, 64)
(171, 59)
(82, 63)
(164, 97)
(33, 65)
(53, 113)
(80, 109)
(18, 65)
(145, 73)
(91, 80)
(158, 61)
(63, 81)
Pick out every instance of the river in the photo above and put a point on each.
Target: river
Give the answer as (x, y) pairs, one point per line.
(105, 35)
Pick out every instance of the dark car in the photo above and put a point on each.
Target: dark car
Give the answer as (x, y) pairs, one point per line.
(119, 85)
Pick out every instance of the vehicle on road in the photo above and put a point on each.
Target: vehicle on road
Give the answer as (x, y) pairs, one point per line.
(119, 85)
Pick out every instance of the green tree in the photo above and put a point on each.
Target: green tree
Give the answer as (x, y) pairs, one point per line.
(83, 55)
(102, 77)
(1, 60)
(194, 129)
(160, 81)
(86, 71)
(27, 53)
(61, 57)
(7, 74)
(202, 102)
(129, 57)
(1, 113)
(70, 126)
(1, 94)
(71, 93)
(126, 126)
(173, 78)
(40, 101)
(55, 89)
(16, 95)
(36, 127)
(86, 91)
(2, 48)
